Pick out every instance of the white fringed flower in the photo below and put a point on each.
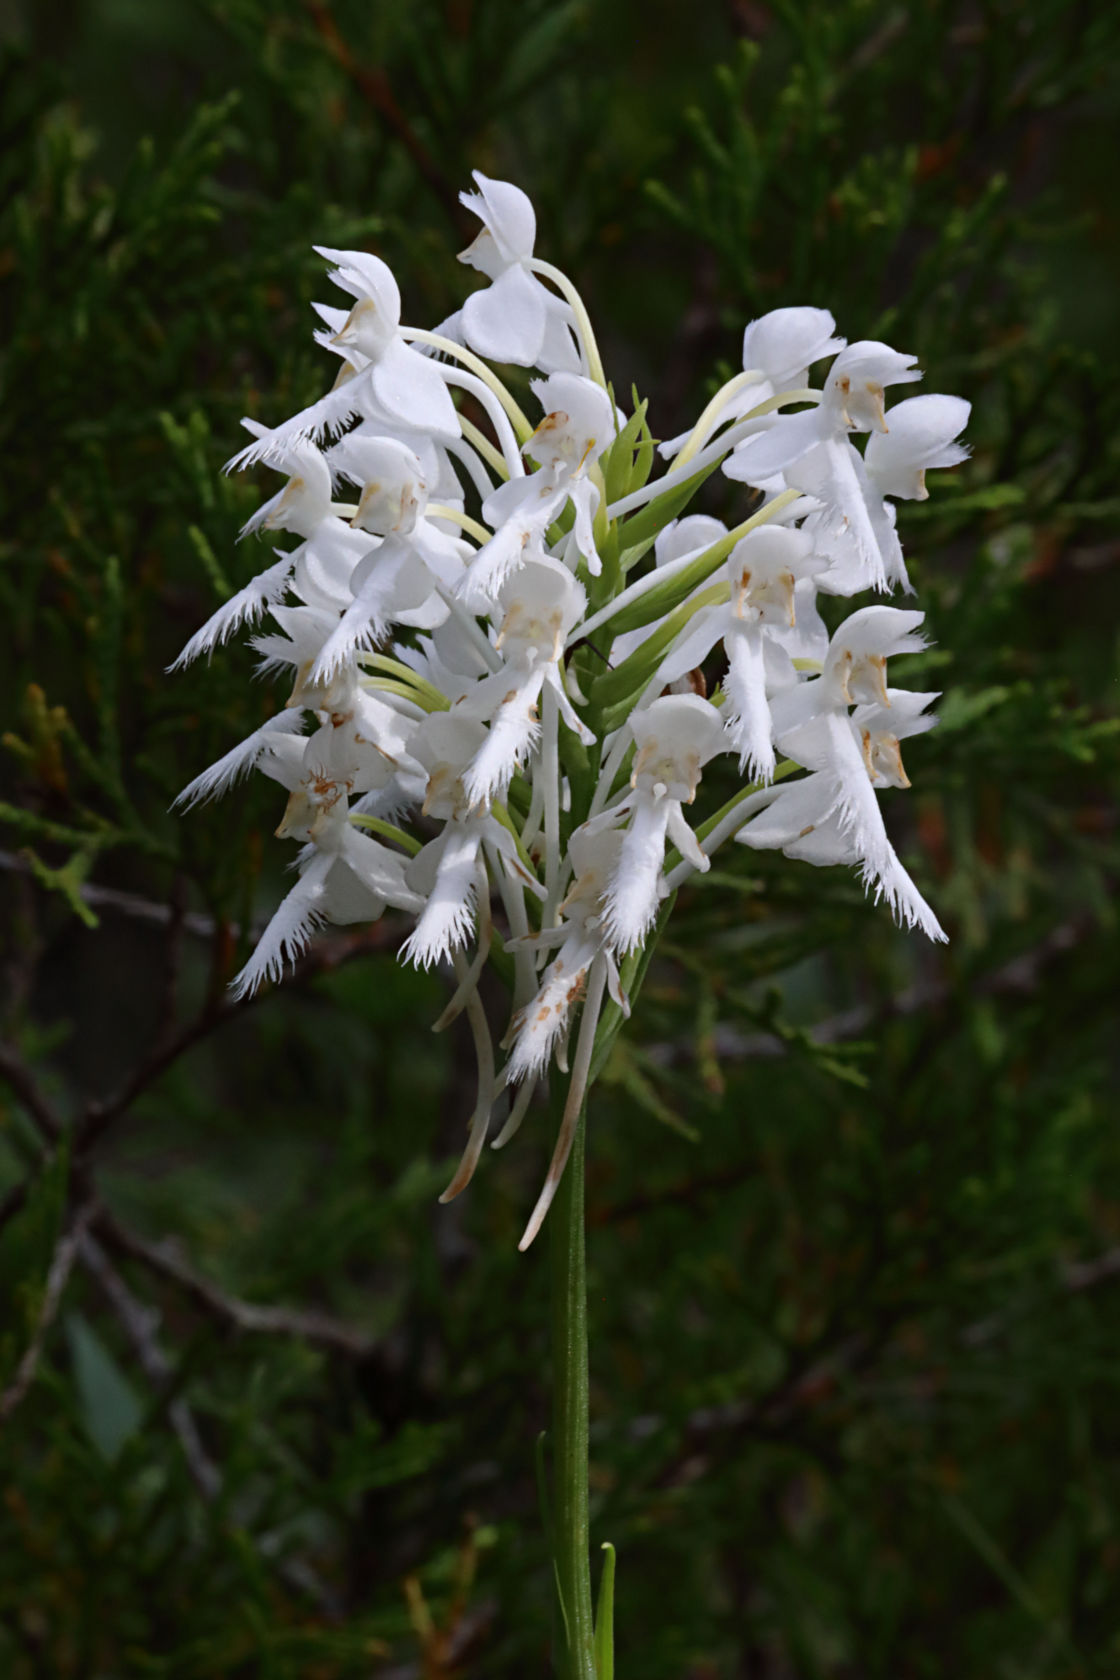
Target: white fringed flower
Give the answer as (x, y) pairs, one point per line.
(516, 318)
(675, 738)
(479, 652)
(579, 423)
(542, 1026)
(539, 606)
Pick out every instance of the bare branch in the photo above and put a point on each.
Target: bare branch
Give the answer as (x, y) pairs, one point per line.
(230, 1311)
(323, 958)
(1021, 975)
(373, 84)
(58, 1275)
(22, 1081)
(140, 1324)
(130, 904)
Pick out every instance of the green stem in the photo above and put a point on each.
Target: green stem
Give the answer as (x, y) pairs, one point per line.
(570, 1518)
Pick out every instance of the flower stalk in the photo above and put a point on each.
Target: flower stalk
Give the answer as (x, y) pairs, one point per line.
(515, 659)
(571, 1524)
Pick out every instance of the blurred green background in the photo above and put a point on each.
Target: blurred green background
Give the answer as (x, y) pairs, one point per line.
(266, 1409)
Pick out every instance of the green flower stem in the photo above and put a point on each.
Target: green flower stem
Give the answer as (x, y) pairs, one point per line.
(570, 1519)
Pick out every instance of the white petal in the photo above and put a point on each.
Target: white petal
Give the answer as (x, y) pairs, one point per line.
(748, 722)
(365, 276)
(546, 1018)
(506, 321)
(559, 352)
(799, 808)
(513, 732)
(380, 870)
(892, 882)
(287, 934)
(697, 641)
(411, 388)
(448, 918)
(632, 896)
(844, 531)
(786, 441)
(330, 414)
(507, 214)
(240, 609)
(220, 777)
(785, 342)
(684, 840)
(920, 435)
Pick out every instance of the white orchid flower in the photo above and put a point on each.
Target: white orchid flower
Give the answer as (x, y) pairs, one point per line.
(540, 605)
(919, 435)
(675, 737)
(763, 571)
(449, 692)
(833, 816)
(812, 449)
(345, 876)
(397, 580)
(301, 506)
(542, 1026)
(778, 350)
(579, 423)
(516, 318)
(447, 871)
(392, 379)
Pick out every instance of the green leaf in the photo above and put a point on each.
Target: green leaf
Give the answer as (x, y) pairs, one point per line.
(107, 1400)
(604, 1618)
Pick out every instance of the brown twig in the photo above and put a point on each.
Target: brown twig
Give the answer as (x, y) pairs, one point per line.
(23, 1083)
(229, 1310)
(140, 1323)
(324, 957)
(58, 1275)
(129, 904)
(373, 84)
(1018, 976)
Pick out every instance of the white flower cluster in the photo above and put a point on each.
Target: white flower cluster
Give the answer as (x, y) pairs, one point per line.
(495, 638)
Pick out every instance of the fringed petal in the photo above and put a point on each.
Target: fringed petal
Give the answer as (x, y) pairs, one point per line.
(238, 762)
(448, 917)
(631, 897)
(546, 1017)
(577, 1090)
(287, 935)
(748, 723)
(242, 608)
(514, 730)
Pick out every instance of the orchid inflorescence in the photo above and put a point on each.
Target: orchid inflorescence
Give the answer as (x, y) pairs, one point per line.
(509, 703)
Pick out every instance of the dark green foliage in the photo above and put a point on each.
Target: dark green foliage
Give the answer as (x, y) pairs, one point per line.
(854, 1203)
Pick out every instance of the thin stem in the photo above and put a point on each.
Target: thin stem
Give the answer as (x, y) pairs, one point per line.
(570, 1513)
(438, 510)
(744, 427)
(706, 424)
(723, 445)
(493, 457)
(471, 460)
(494, 409)
(579, 310)
(571, 1521)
